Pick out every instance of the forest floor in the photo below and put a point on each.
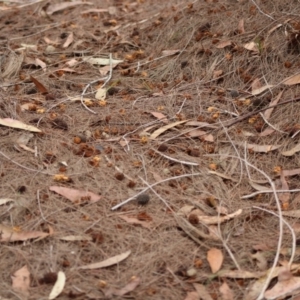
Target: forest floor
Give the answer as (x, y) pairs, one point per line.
(149, 150)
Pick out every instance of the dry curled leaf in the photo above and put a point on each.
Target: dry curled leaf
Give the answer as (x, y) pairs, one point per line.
(286, 286)
(41, 64)
(76, 196)
(235, 274)
(72, 238)
(202, 291)
(292, 151)
(201, 135)
(107, 263)
(21, 281)
(18, 124)
(5, 200)
(269, 111)
(292, 172)
(252, 46)
(255, 289)
(261, 260)
(192, 296)
(241, 28)
(69, 40)
(55, 7)
(223, 44)
(295, 79)
(160, 116)
(170, 52)
(226, 292)
(9, 234)
(130, 286)
(102, 61)
(40, 87)
(224, 176)
(211, 220)
(260, 148)
(58, 286)
(159, 131)
(261, 89)
(135, 221)
(101, 94)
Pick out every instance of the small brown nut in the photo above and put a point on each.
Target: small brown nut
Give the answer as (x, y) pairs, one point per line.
(142, 199)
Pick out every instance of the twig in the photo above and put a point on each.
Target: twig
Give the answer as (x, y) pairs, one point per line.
(268, 191)
(60, 102)
(32, 170)
(228, 249)
(110, 71)
(276, 259)
(295, 134)
(262, 11)
(175, 277)
(8, 209)
(144, 166)
(176, 160)
(96, 80)
(117, 168)
(189, 130)
(161, 198)
(241, 118)
(24, 167)
(273, 127)
(235, 149)
(292, 233)
(151, 186)
(39, 204)
(36, 33)
(181, 106)
(137, 68)
(135, 130)
(82, 94)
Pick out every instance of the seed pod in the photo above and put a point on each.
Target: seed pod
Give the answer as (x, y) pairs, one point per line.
(142, 199)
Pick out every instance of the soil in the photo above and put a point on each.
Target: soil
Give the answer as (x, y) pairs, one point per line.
(206, 69)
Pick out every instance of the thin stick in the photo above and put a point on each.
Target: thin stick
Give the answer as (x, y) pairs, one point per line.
(175, 160)
(39, 204)
(268, 191)
(24, 167)
(181, 106)
(250, 114)
(276, 259)
(151, 186)
(189, 130)
(235, 149)
(110, 71)
(117, 168)
(32, 170)
(135, 130)
(82, 94)
(94, 81)
(36, 33)
(161, 198)
(262, 11)
(292, 233)
(273, 127)
(144, 166)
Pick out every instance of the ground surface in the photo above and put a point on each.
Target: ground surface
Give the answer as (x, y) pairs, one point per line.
(205, 69)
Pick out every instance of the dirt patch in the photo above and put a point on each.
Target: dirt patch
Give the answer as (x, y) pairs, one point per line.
(197, 68)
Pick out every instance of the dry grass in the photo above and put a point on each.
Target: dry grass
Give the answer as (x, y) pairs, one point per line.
(160, 256)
